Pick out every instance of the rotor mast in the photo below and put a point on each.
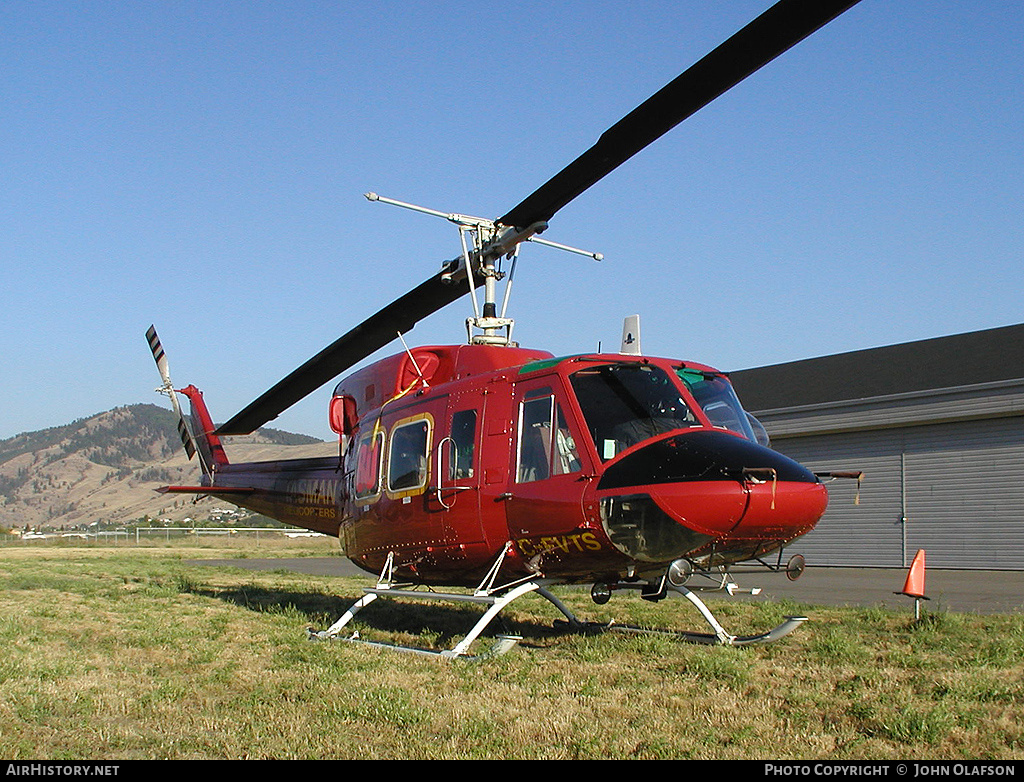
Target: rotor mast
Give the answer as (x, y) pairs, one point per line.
(485, 243)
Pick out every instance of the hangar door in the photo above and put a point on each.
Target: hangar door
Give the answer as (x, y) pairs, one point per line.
(954, 489)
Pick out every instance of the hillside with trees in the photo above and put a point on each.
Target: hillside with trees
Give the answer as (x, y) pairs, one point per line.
(103, 471)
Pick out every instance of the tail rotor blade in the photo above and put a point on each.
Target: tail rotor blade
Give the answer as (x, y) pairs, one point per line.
(158, 355)
(187, 440)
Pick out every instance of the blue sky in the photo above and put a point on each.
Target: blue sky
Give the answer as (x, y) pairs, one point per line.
(201, 165)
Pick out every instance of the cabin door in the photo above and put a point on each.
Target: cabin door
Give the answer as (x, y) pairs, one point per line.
(547, 476)
(457, 466)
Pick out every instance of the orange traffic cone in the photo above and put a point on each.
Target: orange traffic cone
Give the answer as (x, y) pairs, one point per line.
(915, 578)
(914, 586)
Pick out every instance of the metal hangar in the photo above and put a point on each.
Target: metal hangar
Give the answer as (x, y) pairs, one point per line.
(937, 427)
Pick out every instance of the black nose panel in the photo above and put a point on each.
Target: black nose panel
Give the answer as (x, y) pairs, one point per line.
(699, 456)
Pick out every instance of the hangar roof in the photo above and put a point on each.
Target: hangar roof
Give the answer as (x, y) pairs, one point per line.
(943, 362)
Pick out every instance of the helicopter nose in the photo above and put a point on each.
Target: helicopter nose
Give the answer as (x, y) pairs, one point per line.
(716, 484)
(779, 509)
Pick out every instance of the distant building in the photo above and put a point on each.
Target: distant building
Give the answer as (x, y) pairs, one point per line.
(937, 426)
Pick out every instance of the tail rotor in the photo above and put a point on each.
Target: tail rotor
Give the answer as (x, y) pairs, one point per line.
(188, 440)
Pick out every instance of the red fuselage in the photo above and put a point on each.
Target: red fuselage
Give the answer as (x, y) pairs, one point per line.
(582, 468)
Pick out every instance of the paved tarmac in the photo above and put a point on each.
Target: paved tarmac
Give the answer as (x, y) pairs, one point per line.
(962, 591)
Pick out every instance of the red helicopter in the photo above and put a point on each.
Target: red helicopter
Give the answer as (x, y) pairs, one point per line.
(495, 471)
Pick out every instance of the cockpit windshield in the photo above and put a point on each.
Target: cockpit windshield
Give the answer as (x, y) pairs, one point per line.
(627, 403)
(718, 400)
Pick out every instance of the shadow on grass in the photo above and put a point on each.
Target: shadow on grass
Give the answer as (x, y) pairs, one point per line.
(441, 624)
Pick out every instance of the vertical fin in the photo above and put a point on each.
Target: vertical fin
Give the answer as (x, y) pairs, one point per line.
(207, 441)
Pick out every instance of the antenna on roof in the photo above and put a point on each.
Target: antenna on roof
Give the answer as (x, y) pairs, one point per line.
(631, 336)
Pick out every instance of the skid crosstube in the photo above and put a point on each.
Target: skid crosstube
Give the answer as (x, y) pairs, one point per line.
(495, 603)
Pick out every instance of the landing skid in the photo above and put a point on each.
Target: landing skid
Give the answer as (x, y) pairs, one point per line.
(497, 597)
(720, 637)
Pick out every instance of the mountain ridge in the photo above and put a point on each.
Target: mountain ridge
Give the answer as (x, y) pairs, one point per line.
(105, 469)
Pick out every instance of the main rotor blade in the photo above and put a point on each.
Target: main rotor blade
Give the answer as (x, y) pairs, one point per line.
(370, 335)
(776, 30)
(779, 28)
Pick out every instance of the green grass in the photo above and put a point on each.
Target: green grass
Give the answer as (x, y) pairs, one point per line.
(135, 653)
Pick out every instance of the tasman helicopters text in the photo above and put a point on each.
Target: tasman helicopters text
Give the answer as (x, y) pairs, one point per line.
(316, 497)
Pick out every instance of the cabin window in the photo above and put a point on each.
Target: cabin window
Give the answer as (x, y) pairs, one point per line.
(462, 456)
(546, 446)
(407, 459)
(625, 404)
(368, 463)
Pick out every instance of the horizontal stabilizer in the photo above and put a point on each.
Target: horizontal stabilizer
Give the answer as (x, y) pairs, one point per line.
(206, 490)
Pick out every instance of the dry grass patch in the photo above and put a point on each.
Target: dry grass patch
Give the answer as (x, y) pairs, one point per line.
(136, 654)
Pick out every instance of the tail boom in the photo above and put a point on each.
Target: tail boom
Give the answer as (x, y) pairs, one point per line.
(304, 493)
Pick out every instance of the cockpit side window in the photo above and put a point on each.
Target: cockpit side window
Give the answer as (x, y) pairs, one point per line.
(546, 446)
(716, 397)
(628, 403)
